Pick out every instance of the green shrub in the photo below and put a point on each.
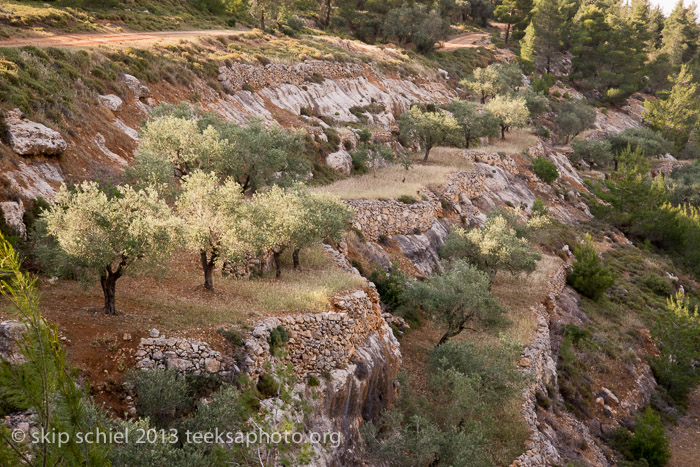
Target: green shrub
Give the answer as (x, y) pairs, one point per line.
(313, 381)
(278, 337)
(658, 284)
(545, 170)
(539, 208)
(162, 395)
(407, 199)
(649, 441)
(390, 286)
(248, 87)
(306, 112)
(267, 386)
(232, 336)
(589, 276)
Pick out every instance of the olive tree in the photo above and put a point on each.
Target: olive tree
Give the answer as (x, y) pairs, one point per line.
(259, 156)
(324, 217)
(171, 147)
(210, 212)
(494, 247)
(269, 222)
(574, 117)
(112, 235)
(457, 296)
(499, 78)
(427, 128)
(473, 122)
(278, 219)
(511, 112)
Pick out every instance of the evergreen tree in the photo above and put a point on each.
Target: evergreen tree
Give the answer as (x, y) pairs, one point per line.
(606, 58)
(543, 36)
(676, 114)
(514, 13)
(680, 34)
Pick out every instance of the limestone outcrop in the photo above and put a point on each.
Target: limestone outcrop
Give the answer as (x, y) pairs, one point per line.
(28, 138)
(340, 161)
(13, 212)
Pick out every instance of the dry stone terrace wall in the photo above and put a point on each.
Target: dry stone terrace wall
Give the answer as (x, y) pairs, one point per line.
(235, 76)
(322, 342)
(183, 355)
(375, 217)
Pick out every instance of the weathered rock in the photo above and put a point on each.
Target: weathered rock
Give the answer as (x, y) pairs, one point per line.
(10, 332)
(340, 161)
(29, 138)
(136, 86)
(13, 212)
(111, 101)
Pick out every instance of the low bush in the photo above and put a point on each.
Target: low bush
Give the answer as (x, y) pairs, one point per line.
(658, 284)
(267, 386)
(648, 444)
(278, 337)
(545, 170)
(407, 199)
(589, 276)
(162, 395)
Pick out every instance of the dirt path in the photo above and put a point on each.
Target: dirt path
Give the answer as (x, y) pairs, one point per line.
(125, 38)
(471, 39)
(685, 437)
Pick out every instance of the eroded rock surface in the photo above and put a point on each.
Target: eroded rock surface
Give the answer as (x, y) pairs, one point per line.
(29, 138)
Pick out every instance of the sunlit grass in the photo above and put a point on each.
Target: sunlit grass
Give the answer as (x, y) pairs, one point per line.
(177, 300)
(517, 140)
(395, 181)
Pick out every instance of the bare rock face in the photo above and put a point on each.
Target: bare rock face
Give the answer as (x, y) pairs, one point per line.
(111, 101)
(340, 161)
(13, 212)
(29, 138)
(136, 86)
(10, 332)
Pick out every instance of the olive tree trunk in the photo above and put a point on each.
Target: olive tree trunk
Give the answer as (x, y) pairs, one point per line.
(108, 281)
(208, 262)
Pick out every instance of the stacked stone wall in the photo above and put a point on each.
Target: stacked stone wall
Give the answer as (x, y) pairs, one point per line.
(376, 218)
(321, 342)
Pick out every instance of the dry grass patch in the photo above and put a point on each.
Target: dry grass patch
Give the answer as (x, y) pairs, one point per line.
(450, 157)
(395, 181)
(520, 292)
(517, 141)
(388, 182)
(177, 300)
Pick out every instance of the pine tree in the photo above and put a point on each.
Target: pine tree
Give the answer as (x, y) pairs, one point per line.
(606, 57)
(514, 13)
(676, 114)
(547, 24)
(680, 34)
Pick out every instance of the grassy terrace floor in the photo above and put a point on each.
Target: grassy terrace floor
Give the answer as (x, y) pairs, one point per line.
(177, 300)
(394, 181)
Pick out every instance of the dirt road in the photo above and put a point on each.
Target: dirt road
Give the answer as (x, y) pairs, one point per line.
(125, 38)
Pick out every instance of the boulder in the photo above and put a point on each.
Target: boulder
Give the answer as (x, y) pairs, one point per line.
(29, 138)
(136, 86)
(111, 101)
(13, 212)
(10, 332)
(340, 161)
